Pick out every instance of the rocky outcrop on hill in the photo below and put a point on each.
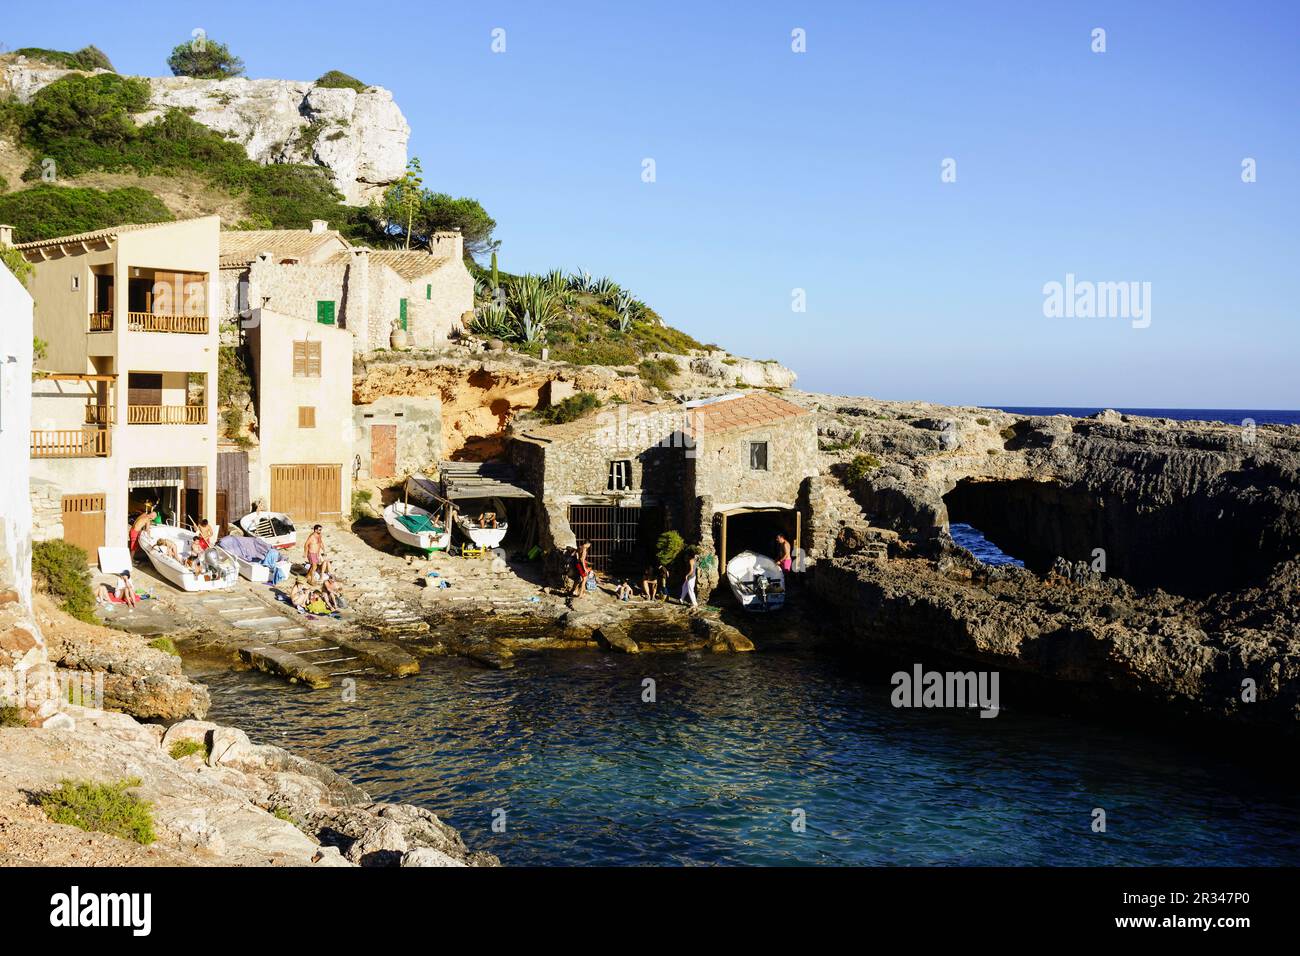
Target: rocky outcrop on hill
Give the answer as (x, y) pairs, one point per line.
(360, 137)
(1163, 557)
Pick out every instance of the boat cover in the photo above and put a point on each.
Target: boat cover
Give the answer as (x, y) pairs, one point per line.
(249, 549)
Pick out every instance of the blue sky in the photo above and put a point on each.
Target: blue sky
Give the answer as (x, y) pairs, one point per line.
(820, 171)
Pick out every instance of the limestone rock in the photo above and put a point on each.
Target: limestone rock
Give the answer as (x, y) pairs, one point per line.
(428, 856)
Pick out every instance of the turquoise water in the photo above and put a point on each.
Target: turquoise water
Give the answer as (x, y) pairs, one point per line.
(713, 771)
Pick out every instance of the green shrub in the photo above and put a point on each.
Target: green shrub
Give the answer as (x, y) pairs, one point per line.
(982, 421)
(280, 813)
(1008, 433)
(338, 80)
(658, 373)
(11, 717)
(860, 466)
(45, 211)
(17, 263)
(101, 808)
(667, 547)
(166, 645)
(185, 748)
(360, 502)
(211, 61)
(596, 353)
(62, 570)
(571, 408)
(87, 58)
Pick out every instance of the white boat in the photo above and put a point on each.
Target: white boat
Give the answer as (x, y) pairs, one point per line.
(427, 535)
(484, 536)
(274, 527)
(248, 553)
(219, 570)
(757, 581)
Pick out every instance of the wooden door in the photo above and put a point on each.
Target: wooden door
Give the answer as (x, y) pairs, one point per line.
(383, 451)
(144, 388)
(83, 523)
(307, 492)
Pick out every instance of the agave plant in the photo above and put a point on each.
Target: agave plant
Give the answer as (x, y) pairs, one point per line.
(492, 321)
(530, 331)
(604, 286)
(621, 301)
(556, 281)
(580, 281)
(529, 295)
(623, 321)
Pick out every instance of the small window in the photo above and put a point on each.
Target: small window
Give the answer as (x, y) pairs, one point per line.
(306, 416)
(325, 311)
(758, 456)
(620, 475)
(306, 359)
(76, 283)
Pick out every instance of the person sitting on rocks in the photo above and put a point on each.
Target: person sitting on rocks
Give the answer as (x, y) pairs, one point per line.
(122, 593)
(299, 596)
(624, 591)
(333, 593)
(649, 583)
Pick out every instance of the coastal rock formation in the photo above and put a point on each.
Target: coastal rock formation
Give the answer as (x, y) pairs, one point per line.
(360, 137)
(1163, 557)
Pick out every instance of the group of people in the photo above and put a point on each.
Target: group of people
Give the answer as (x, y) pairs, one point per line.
(654, 580)
(321, 593)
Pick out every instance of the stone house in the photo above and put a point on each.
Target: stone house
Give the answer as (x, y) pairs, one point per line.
(317, 275)
(726, 473)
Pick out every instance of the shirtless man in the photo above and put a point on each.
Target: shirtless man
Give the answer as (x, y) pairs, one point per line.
(314, 548)
(140, 524)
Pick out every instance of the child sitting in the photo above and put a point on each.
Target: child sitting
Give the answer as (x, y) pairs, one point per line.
(624, 591)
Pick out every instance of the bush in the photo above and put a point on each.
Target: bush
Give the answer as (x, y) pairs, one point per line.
(44, 212)
(16, 263)
(87, 58)
(982, 421)
(11, 717)
(213, 61)
(596, 353)
(62, 570)
(668, 546)
(571, 409)
(658, 373)
(101, 808)
(360, 504)
(338, 80)
(185, 748)
(166, 645)
(860, 466)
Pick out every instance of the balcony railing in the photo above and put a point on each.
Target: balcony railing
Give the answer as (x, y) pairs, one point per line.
(167, 414)
(101, 321)
(148, 322)
(72, 443)
(99, 414)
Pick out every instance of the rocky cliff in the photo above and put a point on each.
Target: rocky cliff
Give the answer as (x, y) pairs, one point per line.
(360, 137)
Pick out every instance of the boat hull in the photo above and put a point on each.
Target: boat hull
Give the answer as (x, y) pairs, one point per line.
(745, 572)
(258, 524)
(224, 571)
(482, 537)
(421, 540)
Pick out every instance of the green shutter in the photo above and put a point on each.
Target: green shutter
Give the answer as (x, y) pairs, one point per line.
(428, 291)
(325, 311)
(402, 317)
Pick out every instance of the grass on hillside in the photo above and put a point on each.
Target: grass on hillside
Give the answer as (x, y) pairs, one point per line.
(101, 808)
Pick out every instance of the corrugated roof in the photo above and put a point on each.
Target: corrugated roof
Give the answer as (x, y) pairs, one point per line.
(239, 248)
(744, 411)
(110, 233)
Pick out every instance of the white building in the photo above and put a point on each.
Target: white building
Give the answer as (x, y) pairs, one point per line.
(15, 430)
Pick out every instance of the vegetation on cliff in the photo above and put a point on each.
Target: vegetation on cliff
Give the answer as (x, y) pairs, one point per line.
(204, 59)
(43, 212)
(101, 808)
(87, 58)
(60, 569)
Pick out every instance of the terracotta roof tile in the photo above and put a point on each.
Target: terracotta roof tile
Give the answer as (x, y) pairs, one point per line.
(240, 247)
(109, 233)
(744, 411)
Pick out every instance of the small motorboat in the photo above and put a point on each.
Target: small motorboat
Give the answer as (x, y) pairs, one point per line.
(488, 534)
(415, 527)
(250, 556)
(273, 527)
(217, 569)
(757, 581)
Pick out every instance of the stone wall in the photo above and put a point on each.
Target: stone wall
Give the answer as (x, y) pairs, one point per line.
(721, 466)
(419, 433)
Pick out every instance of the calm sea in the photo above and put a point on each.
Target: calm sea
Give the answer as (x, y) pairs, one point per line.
(1231, 416)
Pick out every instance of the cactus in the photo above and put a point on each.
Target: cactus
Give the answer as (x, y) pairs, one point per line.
(496, 278)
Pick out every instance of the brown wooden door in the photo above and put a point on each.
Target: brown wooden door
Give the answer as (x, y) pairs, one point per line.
(383, 451)
(223, 513)
(83, 523)
(307, 492)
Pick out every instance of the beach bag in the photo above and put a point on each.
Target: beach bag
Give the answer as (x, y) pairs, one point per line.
(591, 582)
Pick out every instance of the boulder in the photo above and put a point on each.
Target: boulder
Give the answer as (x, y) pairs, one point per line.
(428, 856)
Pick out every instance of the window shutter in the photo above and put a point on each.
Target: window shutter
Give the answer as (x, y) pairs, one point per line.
(299, 358)
(325, 311)
(402, 314)
(428, 291)
(313, 360)
(306, 416)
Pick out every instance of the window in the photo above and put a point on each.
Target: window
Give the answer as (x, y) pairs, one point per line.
(758, 456)
(306, 359)
(620, 475)
(428, 291)
(401, 314)
(76, 283)
(306, 416)
(325, 311)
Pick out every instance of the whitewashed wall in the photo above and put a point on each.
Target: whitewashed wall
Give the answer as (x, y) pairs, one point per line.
(15, 436)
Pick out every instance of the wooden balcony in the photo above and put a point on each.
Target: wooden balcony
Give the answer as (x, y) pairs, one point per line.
(72, 443)
(167, 414)
(99, 414)
(101, 321)
(148, 322)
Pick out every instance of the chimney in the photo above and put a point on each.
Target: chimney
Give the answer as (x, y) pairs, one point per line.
(447, 245)
(319, 225)
(6, 235)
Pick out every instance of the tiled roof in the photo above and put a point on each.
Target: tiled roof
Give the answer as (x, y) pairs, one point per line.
(407, 264)
(744, 411)
(239, 248)
(109, 233)
(600, 419)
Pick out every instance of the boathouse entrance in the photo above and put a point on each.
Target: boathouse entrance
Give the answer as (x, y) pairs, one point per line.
(622, 537)
(754, 528)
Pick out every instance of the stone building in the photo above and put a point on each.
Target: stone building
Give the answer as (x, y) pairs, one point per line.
(726, 473)
(317, 275)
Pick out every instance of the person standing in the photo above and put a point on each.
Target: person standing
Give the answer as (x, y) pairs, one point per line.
(314, 549)
(139, 525)
(688, 586)
(581, 568)
(783, 553)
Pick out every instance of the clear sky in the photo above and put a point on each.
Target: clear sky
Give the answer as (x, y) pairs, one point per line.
(820, 171)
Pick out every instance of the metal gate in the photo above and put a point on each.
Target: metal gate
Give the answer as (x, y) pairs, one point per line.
(612, 531)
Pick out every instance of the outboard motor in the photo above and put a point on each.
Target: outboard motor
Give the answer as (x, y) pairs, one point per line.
(761, 584)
